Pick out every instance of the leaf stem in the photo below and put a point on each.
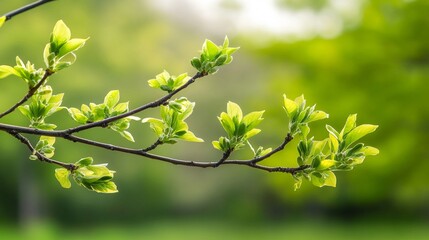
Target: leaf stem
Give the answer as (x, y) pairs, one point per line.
(29, 94)
(41, 157)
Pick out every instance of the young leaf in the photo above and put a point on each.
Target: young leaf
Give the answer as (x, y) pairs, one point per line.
(359, 132)
(62, 176)
(350, 124)
(290, 106)
(234, 111)
(112, 98)
(60, 35)
(2, 20)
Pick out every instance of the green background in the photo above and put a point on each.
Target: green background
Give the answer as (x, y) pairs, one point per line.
(377, 67)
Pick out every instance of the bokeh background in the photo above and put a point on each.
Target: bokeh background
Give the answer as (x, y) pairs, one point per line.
(365, 57)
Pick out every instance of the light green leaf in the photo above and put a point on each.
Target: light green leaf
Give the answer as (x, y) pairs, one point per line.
(210, 49)
(333, 132)
(317, 115)
(334, 143)
(157, 125)
(2, 20)
(77, 115)
(359, 132)
(25, 110)
(127, 135)
(61, 33)
(325, 164)
(71, 46)
(331, 179)
(83, 162)
(62, 175)
(290, 106)
(50, 140)
(104, 187)
(7, 70)
(217, 145)
(252, 133)
(370, 151)
(227, 123)
(112, 98)
(190, 137)
(252, 119)
(350, 124)
(233, 110)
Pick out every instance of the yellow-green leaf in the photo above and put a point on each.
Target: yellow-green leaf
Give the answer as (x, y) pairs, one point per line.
(359, 132)
(62, 176)
(290, 106)
(2, 20)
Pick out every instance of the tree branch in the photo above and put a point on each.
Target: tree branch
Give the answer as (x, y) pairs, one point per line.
(29, 94)
(40, 156)
(251, 163)
(30, 6)
(153, 104)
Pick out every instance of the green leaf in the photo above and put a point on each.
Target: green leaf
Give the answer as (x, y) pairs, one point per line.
(62, 176)
(2, 20)
(71, 46)
(216, 145)
(210, 49)
(77, 115)
(251, 133)
(112, 98)
(325, 164)
(317, 115)
(104, 187)
(333, 143)
(234, 111)
(290, 106)
(370, 151)
(359, 132)
(333, 132)
(127, 135)
(350, 124)
(157, 125)
(252, 119)
(83, 162)
(331, 179)
(61, 33)
(7, 70)
(227, 123)
(25, 110)
(190, 137)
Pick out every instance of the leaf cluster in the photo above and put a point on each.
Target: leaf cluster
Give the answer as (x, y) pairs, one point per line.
(96, 178)
(335, 153)
(172, 125)
(213, 56)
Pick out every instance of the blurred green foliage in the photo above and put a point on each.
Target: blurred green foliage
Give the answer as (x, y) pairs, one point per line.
(377, 68)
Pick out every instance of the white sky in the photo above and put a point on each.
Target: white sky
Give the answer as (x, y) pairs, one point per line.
(262, 16)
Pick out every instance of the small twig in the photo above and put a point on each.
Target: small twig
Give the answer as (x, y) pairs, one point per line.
(153, 146)
(224, 157)
(153, 104)
(29, 94)
(287, 139)
(40, 156)
(13, 13)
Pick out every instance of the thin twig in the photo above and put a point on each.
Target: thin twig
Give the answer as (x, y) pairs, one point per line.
(29, 94)
(153, 104)
(40, 156)
(13, 13)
